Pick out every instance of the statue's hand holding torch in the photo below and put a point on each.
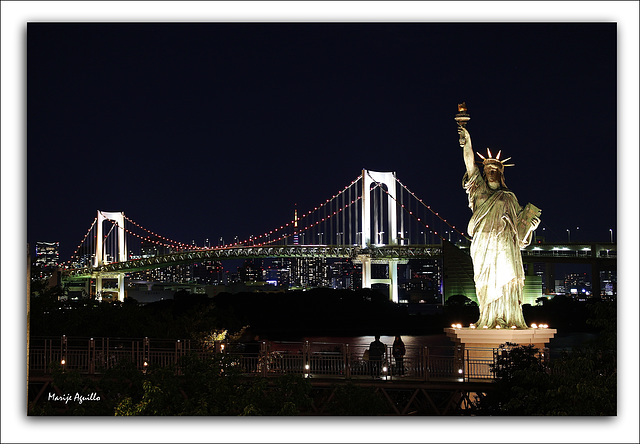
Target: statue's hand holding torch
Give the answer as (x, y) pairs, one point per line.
(463, 135)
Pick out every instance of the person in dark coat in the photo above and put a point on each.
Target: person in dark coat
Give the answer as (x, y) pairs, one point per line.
(377, 351)
(398, 351)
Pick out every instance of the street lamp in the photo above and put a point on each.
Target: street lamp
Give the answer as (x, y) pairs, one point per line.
(611, 233)
(568, 235)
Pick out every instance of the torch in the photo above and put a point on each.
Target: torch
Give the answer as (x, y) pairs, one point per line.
(462, 118)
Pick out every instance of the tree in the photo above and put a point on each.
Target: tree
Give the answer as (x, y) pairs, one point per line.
(459, 300)
(213, 386)
(580, 383)
(349, 399)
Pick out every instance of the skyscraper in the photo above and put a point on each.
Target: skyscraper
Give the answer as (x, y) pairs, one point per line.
(295, 226)
(47, 254)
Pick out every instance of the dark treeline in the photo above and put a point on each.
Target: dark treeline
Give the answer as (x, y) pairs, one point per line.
(291, 315)
(324, 312)
(288, 315)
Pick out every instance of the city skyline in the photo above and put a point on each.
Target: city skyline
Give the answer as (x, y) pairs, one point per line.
(238, 124)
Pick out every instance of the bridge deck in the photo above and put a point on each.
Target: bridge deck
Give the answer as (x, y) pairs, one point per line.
(565, 252)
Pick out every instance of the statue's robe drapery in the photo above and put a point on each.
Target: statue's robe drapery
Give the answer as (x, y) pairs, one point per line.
(495, 251)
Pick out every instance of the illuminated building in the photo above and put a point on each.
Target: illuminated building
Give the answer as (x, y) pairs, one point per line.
(309, 273)
(278, 272)
(578, 285)
(47, 254)
(425, 282)
(295, 226)
(251, 271)
(609, 284)
(341, 274)
(209, 273)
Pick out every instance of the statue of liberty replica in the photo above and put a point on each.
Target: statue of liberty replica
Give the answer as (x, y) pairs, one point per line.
(499, 227)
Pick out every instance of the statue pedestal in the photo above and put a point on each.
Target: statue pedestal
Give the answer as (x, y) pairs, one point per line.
(479, 345)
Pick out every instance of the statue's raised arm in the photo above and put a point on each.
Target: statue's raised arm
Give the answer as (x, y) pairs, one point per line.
(467, 150)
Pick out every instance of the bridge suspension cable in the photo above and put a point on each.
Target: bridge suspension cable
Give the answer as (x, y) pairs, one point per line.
(76, 253)
(306, 219)
(406, 208)
(431, 210)
(337, 221)
(166, 242)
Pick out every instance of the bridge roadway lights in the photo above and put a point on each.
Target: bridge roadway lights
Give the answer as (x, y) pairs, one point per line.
(377, 254)
(391, 255)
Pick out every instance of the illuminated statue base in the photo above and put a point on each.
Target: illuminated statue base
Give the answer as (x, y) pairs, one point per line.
(479, 345)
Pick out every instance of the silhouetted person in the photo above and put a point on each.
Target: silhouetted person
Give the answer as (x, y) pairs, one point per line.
(398, 351)
(376, 352)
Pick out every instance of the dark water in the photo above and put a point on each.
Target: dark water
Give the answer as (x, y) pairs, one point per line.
(409, 341)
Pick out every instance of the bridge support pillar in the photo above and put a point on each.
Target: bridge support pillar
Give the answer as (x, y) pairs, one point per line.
(118, 218)
(391, 281)
(121, 287)
(393, 274)
(389, 180)
(99, 288)
(366, 271)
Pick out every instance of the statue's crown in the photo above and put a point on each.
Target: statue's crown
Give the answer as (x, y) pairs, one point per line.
(490, 160)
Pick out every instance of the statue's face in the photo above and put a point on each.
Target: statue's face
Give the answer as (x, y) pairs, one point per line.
(492, 173)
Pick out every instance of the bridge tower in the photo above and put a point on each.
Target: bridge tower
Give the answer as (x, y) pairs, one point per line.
(101, 257)
(387, 179)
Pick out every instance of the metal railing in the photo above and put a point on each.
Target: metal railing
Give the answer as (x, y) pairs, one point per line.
(268, 358)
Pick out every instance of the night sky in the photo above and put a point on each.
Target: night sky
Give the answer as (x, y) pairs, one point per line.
(216, 130)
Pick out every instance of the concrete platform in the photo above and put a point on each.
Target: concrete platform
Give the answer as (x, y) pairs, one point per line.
(477, 354)
(493, 338)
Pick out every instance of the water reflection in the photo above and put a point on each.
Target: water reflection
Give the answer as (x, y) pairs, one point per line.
(437, 340)
(562, 341)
